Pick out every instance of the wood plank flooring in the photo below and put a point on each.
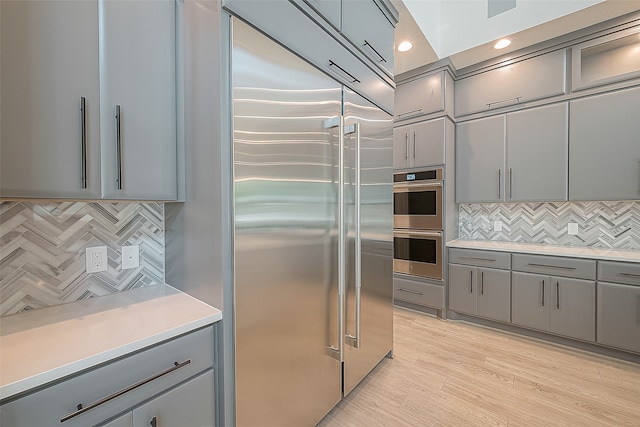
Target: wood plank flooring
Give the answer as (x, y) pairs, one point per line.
(457, 374)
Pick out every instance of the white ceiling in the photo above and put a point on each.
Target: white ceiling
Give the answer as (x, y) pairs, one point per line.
(461, 30)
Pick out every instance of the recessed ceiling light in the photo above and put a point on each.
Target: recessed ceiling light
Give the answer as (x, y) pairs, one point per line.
(405, 46)
(502, 44)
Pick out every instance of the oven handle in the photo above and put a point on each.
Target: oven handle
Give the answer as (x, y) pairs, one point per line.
(415, 186)
(418, 234)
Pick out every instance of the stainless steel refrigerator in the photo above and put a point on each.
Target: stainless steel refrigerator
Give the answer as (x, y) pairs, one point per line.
(312, 235)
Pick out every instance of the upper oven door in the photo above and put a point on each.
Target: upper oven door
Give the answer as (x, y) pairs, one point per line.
(417, 205)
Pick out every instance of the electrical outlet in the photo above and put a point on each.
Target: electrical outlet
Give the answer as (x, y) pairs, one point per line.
(96, 259)
(497, 226)
(572, 228)
(130, 257)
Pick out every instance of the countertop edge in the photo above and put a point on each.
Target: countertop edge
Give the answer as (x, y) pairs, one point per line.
(601, 254)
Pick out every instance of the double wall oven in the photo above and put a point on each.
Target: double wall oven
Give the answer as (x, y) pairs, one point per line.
(417, 222)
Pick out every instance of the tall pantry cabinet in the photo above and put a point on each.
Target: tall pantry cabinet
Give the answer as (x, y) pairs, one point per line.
(88, 105)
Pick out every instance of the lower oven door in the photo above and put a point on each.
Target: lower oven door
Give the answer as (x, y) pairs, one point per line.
(417, 205)
(418, 253)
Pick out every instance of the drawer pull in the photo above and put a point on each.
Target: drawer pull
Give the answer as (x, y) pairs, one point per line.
(552, 266)
(82, 410)
(478, 259)
(629, 275)
(410, 292)
(366, 43)
(154, 422)
(503, 101)
(351, 76)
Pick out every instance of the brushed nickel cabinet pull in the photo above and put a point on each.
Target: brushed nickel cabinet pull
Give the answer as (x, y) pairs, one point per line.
(542, 294)
(499, 181)
(406, 146)
(351, 76)
(551, 266)
(410, 292)
(81, 410)
(118, 151)
(412, 112)
(478, 259)
(629, 274)
(558, 295)
(510, 183)
(471, 281)
(482, 283)
(83, 143)
(366, 43)
(414, 145)
(503, 101)
(154, 422)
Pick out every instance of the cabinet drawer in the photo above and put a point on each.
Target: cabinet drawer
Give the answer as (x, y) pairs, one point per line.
(420, 293)
(480, 258)
(555, 266)
(419, 97)
(48, 406)
(619, 272)
(528, 80)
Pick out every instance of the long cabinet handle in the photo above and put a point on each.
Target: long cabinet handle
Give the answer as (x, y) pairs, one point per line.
(471, 281)
(629, 274)
(351, 76)
(478, 259)
(337, 351)
(406, 146)
(499, 182)
(558, 295)
(482, 283)
(412, 112)
(366, 43)
(83, 143)
(82, 410)
(414, 145)
(502, 101)
(560, 267)
(510, 183)
(354, 340)
(638, 309)
(118, 150)
(542, 301)
(410, 292)
(154, 422)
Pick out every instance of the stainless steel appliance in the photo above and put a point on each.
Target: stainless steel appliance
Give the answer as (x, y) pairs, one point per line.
(418, 252)
(313, 235)
(417, 200)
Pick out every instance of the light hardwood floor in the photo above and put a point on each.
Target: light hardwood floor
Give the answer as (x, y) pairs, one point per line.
(457, 374)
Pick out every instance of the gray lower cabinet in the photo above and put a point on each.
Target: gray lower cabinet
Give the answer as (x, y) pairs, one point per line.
(66, 69)
(559, 305)
(605, 153)
(420, 144)
(418, 291)
(483, 292)
(172, 381)
(619, 316)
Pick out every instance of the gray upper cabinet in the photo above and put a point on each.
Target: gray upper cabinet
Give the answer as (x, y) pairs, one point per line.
(66, 66)
(370, 31)
(422, 96)
(480, 160)
(604, 144)
(532, 79)
(420, 144)
(537, 150)
(49, 64)
(137, 74)
(330, 9)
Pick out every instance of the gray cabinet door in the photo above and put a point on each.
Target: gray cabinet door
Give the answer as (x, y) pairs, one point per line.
(619, 316)
(190, 405)
(49, 62)
(428, 143)
(480, 160)
(604, 143)
(537, 148)
(530, 300)
(463, 288)
(419, 97)
(401, 149)
(573, 308)
(494, 294)
(370, 31)
(137, 73)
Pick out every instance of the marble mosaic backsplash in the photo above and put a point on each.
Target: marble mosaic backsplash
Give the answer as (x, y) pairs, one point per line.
(42, 250)
(600, 224)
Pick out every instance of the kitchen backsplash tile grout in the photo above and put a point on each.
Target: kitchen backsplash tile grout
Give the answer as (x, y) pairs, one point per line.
(42, 250)
(600, 224)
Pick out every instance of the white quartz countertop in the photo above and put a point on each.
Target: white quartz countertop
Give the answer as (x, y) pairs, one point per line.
(40, 346)
(556, 250)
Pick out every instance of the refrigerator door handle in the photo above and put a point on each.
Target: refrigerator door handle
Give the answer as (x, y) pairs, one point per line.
(354, 340)
(341, 242)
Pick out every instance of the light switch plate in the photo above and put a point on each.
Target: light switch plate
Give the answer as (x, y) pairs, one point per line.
(572, 228)
(130, 257)
(96, 259)
(497, 225)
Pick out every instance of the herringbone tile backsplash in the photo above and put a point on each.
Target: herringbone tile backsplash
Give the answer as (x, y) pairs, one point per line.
(42, 250)
(600, 224)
